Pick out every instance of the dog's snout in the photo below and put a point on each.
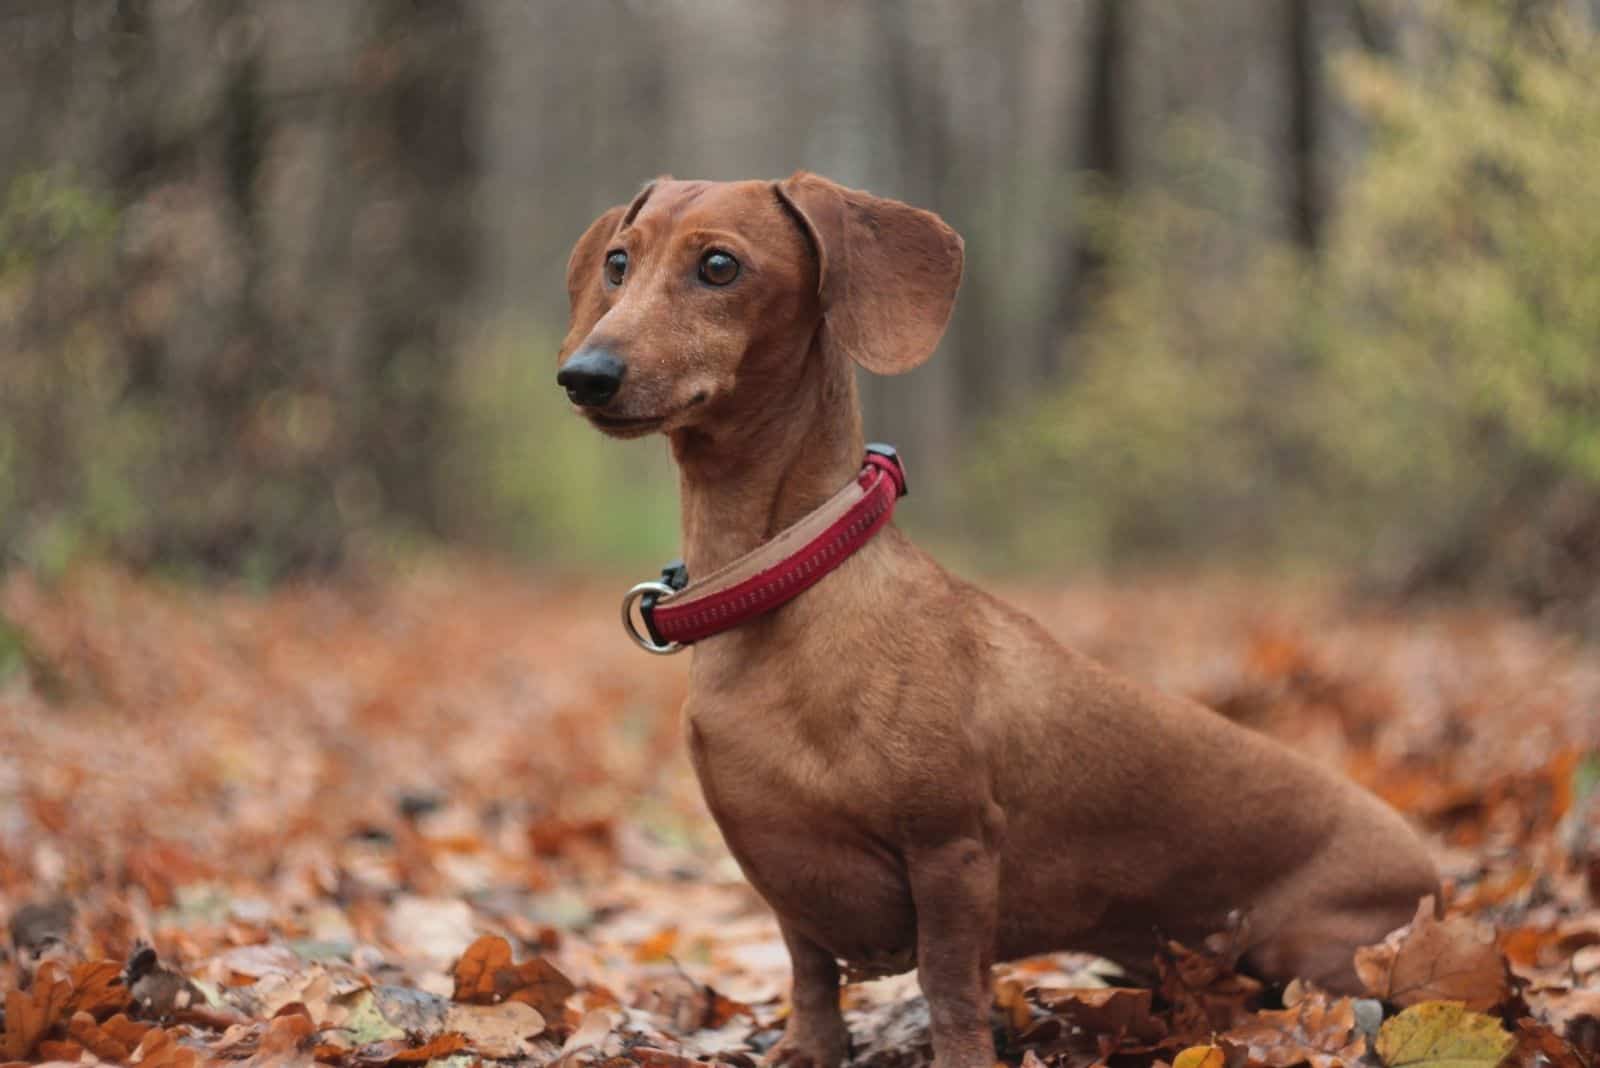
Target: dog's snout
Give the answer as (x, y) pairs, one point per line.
(592, 377)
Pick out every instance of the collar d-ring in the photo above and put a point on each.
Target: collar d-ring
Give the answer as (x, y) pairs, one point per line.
(647, 642)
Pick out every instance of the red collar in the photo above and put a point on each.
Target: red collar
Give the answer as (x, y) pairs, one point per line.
(677, 612)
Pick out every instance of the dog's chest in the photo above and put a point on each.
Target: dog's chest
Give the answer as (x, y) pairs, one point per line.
(817, 854)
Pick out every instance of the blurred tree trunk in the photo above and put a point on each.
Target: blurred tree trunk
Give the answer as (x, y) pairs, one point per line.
(1101, 158)
(1305, 112)
(413, 143)
(296, 248)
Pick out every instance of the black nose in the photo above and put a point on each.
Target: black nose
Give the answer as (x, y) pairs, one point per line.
(591, 377)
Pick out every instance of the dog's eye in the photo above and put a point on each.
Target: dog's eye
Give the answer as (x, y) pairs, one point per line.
(616, 267)
(718, 268)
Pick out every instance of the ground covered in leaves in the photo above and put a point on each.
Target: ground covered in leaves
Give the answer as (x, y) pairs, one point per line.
(446, 818)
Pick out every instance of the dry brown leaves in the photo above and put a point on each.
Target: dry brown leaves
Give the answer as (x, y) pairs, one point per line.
(448, 817)
(62, 1000)
(1116, 1011)
(1453, 959)
(485, 975)
(1318, 1031)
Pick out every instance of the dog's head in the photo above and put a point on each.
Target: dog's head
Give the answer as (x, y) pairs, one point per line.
(699, 293)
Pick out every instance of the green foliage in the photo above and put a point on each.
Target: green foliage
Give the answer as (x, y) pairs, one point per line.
(69, 449)
(532, 478)
(13, 650)
(1385, 395)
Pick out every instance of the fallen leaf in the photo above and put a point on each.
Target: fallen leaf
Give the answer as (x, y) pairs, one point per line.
(592, 1031)
(1011, 998)
(658, 946)
(1201, 1057)
(1442, 1034)
(556, 837)
(57, 1050)
(1207, 996)
(484, 975)
(439, 1046)
(108, 1047)
(287, 1034)
(475, 969)
(32, 1013)
(1535, 1040)
(1436, 960)
(650, 1057)
(98, 989)
(1573, 1014)
(159, 1049)
(396, 1051)
(500, 1031)
(1315, 1031)
(688, 1004)
(1116, 1011)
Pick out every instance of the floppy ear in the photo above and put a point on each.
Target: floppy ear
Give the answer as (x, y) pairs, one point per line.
(583, 269)
(583, 278)
(887, 272)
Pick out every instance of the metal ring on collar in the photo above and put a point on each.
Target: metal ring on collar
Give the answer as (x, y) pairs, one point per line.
(644, 641)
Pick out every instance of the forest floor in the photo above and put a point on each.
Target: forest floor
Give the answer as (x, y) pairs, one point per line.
(447, 816)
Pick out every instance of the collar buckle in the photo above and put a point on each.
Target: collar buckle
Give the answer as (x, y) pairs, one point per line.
(895, 467)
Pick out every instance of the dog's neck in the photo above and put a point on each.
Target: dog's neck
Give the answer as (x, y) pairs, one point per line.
(749, 478)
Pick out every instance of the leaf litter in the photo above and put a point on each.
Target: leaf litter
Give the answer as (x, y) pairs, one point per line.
(446, 818)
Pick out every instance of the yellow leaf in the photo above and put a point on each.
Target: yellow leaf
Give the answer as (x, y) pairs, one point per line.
(1442, 1034)
(1201, 1057)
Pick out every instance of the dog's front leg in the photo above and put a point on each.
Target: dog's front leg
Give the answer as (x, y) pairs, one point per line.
(956, 888)
(815, 1036)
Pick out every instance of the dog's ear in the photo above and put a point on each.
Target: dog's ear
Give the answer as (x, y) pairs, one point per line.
(584, 290)
(887, 272)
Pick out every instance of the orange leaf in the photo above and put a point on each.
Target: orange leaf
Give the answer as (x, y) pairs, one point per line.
(89, 1034)
(1011, 998)
(97, 989)
(658, 946)
(288, 1033)
(158, 1049)
(474, 972)
(31, 1014)
(440, 1046)
(59, 1050)
(485, 975)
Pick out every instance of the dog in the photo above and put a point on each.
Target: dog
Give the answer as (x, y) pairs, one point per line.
(910, 772)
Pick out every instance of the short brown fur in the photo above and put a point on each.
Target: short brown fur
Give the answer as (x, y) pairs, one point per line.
(911, 772)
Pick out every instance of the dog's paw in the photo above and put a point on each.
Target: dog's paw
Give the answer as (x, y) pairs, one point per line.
(803, 1047)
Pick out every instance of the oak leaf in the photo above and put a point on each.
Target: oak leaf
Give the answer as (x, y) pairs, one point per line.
(1206, 994)
(54, 1050)
(159, 1049)
(32, 1013)
(1315, 1031)
(97, 989)
(106, 1042)
(1442, 1034)
(1436, 960)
